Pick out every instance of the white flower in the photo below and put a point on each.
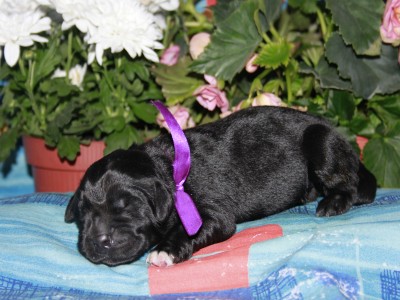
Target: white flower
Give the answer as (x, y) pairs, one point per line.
(115, 25)
(157, 5)
(20, 28)
(75, 13)
(21, 6)
(91, 54)
(76, 74)
(126, 25)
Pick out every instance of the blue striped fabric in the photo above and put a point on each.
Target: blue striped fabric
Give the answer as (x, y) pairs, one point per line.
(353, 256)
(15, 179)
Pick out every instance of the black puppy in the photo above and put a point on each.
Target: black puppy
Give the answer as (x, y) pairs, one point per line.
(254, 163)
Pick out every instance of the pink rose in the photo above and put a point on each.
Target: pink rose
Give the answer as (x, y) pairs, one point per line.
(170, 56)
(210, 97)
(197, 44)
(390, 28)
(250, 66)
(181, 115)
(267, 99)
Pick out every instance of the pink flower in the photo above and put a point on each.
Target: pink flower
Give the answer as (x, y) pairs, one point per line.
(250, 66)
(234, 109)
(170, 56)
(197, 44)
(181, 115)
(210, 97)
(267, 99)
(390, 28)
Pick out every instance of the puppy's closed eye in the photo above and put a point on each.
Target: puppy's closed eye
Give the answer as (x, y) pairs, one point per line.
(121, 203)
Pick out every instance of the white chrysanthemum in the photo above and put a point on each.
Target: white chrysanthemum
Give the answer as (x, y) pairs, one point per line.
(20, 29)
(124, 24)
(157, 5)
(76, 74)
(116, 25)
(21, 6)
(74, 13)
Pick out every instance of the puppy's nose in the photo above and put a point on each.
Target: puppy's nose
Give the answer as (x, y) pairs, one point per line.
(104, 241)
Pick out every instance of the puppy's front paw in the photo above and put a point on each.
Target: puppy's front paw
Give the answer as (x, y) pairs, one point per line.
(333, 205)
(160, 259)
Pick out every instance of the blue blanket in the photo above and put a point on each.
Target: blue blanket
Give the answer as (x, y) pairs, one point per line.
(292, 255)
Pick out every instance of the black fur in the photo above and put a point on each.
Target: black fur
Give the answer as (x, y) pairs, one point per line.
(254, 163)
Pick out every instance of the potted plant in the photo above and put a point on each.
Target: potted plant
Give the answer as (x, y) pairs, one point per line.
(78, 72)
(332, 58)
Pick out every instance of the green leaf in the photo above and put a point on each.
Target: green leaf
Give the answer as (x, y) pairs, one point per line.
(271, 9)
(362, 125)
(223, 9)
(232, 44)
(121, 139)
(274, 54)
(274, 86)
(388, 109)
(327, 75)
(139, 69)
(68, 147)
(65, 115)
(268, 12)
(307, 6)
(110, 125)
(137, 87)
(342, 105)
(175, 82)
(145, 112)
(47, 60)
(359, 22)
(368, 75)
(382, 158)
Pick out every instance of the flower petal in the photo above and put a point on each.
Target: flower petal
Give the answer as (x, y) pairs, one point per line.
(99, 54)
(11, 53)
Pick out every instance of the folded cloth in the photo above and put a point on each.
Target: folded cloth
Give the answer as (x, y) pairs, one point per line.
(291, 255)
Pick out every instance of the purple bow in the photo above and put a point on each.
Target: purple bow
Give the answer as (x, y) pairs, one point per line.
(184, 204)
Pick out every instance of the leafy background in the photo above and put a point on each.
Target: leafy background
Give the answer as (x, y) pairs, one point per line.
(326, 56)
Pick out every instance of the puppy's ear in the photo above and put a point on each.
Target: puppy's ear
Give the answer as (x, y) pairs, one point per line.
(69, 216)
(162, 203)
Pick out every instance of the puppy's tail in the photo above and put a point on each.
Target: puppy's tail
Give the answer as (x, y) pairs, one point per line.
(366, 190)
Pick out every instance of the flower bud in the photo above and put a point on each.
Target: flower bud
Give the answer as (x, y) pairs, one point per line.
(198, 43)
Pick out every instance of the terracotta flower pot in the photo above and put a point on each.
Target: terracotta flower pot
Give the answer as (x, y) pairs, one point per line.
(50, 173)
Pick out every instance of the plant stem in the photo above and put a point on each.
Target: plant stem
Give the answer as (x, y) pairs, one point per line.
(266, 38)
(257, 84)
(29, 89)
(195, 24)
(274, 32)
(21, 67)
(69, 56)
(322, 22)
(288, 87)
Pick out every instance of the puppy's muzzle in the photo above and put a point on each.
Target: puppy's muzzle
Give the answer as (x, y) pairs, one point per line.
(102, 245)
(103, 242)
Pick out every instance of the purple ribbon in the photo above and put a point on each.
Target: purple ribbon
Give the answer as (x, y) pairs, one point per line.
(184, 204)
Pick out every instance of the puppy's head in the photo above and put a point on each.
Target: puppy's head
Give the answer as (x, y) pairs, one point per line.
(119, 208)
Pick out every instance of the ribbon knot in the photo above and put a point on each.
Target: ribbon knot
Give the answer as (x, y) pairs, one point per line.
(179, 187)
(184, 204)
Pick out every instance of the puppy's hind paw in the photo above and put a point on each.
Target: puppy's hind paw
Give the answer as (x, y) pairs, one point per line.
(160, 259)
